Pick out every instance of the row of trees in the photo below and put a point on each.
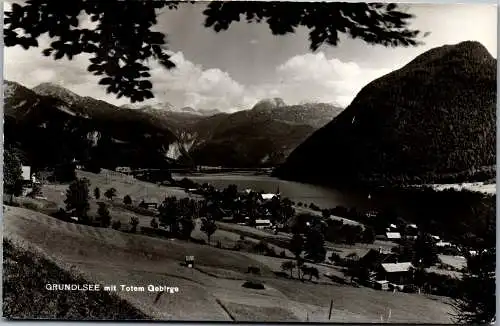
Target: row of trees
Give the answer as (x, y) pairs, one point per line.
(239, 205)
(176, 214)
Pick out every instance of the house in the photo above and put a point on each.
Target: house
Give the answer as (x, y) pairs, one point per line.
(381, 285)
(443, 244)
(189, 261)
(398, 273)
(435, 237)
(393, 236)
(261, 224)
(26, 175)
(227, 219)
(145, 205)
(268, 196)
(123, 169)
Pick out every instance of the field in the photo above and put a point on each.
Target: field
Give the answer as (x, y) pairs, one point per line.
(210, 291)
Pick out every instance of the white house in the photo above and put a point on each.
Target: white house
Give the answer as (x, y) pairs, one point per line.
(443, 244)
(26, 172)
(268, 196)
(124, 169)
(393, 235)
(435, 237)
(261, 224)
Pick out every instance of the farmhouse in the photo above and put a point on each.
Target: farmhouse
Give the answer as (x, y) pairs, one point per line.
(148, 205)
(399, 273)
(227, 219)
(443, 244)
(124, 169)
(26, 173)
(435, 237)
(28, 179)
(381, 285)
(261, 224)
(268, 196)
(393, 236)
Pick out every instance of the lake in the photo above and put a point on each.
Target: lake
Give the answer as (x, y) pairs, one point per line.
(400, 202)
(296, 191)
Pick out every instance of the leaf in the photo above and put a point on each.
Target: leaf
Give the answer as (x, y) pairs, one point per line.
(391, 6)
(59, 54)
(93, 67)
(145, 84)
(106, 81)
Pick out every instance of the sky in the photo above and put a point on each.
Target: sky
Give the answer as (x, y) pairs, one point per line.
(234, 69)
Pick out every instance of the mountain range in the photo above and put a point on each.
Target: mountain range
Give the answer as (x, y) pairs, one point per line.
(51, 124)
(432, 121)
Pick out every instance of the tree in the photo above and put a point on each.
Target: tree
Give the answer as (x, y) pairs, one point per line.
(37, 190)
(104, 216)
(65, 172)
(187, 227)
(154, 223)
(368, 235)
(297, 244)
(134, 221)
(116, 225)
(315, 244)
(97, 193)
(287, 210)
(169, 213)
(122, 41)
(288, 265)
(297, 247)
(12, 174)
(425, 251)
(127, 200)
(477, 302)
(92, 165)
(77, 198)
(110, 193)
(143, 204)
(209, 227)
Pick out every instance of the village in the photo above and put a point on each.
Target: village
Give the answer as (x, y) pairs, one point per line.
(383, 254)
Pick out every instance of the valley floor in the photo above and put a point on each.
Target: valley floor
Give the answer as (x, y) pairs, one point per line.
(210, 291)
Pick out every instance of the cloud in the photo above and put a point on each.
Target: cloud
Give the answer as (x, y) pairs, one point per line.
(262, 68)
(302, 78)
(314, 77)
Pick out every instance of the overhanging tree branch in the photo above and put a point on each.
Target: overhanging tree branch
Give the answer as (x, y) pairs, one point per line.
(121, 40)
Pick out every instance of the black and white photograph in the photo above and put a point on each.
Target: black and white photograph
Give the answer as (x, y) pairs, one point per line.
(249, 161)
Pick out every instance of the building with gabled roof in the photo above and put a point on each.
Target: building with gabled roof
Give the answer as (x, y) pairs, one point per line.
(398, 273)
(393, 235)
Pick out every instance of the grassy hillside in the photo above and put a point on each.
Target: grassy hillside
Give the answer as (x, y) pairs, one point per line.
(431, 120)
(25, 297)
(213, 290)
